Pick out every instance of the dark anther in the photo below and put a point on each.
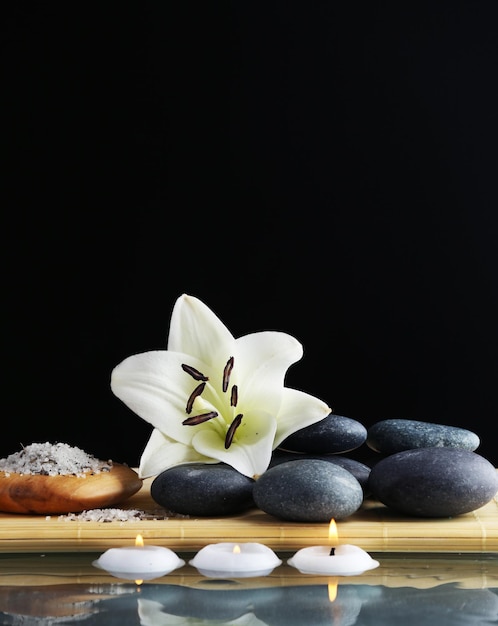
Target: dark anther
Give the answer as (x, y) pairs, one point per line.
(234, 396)
(197, 392)
(199, 419)
(231, 430)
(226, 373)
(332, 551)
(193, 372)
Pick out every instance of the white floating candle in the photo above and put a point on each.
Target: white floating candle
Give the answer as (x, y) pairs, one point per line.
(239, 560)
(343, 560)
(139, 562)
(347, 560)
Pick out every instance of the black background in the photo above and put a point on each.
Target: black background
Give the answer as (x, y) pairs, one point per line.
(325, 169)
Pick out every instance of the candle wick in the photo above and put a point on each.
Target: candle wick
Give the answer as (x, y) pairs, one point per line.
(332, 551)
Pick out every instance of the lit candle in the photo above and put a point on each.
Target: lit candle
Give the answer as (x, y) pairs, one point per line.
(343, 560)
(139, 562)
(239, 560)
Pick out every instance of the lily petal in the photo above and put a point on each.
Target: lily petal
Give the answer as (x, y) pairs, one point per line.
(257, 349)
(161, 453)
(262, 361)
(153, 385)
(195, 329)
(297, 411)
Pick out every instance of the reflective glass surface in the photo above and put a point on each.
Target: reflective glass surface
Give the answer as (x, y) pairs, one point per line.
(406, 589)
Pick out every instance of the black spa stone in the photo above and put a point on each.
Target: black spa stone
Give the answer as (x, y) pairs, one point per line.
(203, 489)
(434, 482)
(331, 435)
(395, 435)
(308, 490)
(359, 470)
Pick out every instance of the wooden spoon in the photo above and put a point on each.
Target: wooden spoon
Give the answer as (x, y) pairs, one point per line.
(41, 494)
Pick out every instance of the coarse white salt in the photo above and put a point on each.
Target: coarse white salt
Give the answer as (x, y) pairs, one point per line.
(53, 460)
(104, 515)
(119, 515)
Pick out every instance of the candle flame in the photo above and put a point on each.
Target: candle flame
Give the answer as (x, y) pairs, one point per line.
(139, 541)
(332, 588)
(333, 536)
(236, 549)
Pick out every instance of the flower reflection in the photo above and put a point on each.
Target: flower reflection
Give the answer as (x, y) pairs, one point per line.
(151, 613)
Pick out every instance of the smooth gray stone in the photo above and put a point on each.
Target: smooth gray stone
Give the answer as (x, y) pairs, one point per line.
(308, 490)
(203, 489)
(359, 470)
(395, 435)
(331, 435)
(434, 482)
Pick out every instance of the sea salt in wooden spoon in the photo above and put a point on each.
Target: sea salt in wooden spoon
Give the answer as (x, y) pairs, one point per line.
(66, 493)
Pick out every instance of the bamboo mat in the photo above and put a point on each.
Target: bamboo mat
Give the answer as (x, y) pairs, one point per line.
(374, 527)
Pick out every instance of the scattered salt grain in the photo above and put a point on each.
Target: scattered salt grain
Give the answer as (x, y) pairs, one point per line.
(52, 460)
(119, 515)
(104, 515)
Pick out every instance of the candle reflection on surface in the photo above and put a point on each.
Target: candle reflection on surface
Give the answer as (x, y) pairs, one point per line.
(332, 587)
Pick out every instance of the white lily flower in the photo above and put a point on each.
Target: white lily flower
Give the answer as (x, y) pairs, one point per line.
(212, 398)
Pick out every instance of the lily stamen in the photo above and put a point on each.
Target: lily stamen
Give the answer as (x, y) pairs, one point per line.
(231, 430)
(234, 396)
(199, 419)
(226, 373)
(197, 392)
(194, 373)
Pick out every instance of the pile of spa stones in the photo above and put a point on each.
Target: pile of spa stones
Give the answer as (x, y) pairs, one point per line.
(417, 468)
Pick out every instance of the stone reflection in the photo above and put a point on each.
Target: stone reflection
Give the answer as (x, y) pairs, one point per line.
(121, 604)
(446, 605)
